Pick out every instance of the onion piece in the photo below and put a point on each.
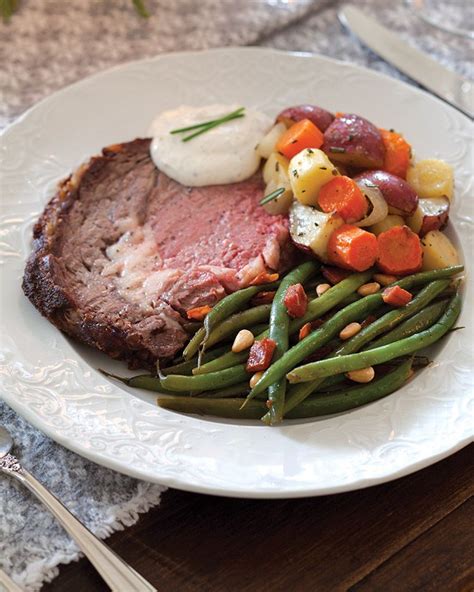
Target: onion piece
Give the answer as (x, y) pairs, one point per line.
(379, 206)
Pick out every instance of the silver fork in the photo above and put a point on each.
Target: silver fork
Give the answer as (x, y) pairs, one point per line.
(115, 572)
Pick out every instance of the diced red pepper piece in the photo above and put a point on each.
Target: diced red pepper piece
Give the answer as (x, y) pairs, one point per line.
(263, 298)
(198, 313)
(260, 355)
(396, 296)
(264, 278)
(296, 301)
(334, 275)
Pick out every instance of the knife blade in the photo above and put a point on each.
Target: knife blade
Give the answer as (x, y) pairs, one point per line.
(441, 81)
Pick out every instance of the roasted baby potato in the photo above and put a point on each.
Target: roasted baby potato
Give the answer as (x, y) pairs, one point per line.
(309, 170)
(310, 229)
(354, 141)
(397, 193)
(438, 251)
(432, 178)
(431, 214)
(320, 117)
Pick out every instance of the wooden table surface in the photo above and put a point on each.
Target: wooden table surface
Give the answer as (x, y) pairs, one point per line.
(413, 534)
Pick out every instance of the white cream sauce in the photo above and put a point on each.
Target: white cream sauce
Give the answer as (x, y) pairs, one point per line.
(222, 155)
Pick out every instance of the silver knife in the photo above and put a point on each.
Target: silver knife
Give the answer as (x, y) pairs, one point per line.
(444, 83)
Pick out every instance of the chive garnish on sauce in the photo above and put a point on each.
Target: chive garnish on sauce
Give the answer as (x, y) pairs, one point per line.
(208, 125)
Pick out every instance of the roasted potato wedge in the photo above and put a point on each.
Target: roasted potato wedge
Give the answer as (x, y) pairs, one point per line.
(431, 214)
(432, 178)
(310, 229)
(309, 170)
(438, 251)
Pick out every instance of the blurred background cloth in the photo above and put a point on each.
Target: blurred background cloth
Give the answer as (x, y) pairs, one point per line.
(51, 43)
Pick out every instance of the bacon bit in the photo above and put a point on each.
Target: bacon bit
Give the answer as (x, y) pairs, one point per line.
(334, 274)
(268, 404)
(396, 296)
(198, 313)
(296, 301)
(260, 355)
(304, 331)
(368, 321)
(264, 278)
(263, 298)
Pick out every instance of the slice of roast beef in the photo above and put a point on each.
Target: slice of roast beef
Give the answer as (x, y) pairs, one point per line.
(121, 252)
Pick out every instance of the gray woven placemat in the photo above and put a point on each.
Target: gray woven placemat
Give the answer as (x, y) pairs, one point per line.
(49, 44)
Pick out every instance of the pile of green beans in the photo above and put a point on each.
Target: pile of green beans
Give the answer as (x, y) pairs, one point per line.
(220, 384)
(337, 402)
(379, 355)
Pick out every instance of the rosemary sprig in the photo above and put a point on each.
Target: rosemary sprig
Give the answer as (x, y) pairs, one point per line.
(273, 195)
(208, 125)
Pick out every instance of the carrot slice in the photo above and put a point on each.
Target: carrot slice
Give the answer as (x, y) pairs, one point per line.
(399, 251)
(352, 248)
(342, 195)
(303, 134)
(396, 296)
(397, 153)
(264, 278)
(198, 313)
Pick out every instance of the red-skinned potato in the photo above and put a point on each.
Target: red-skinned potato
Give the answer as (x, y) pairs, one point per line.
(320, 117)
(354, 141)
(396, 192)
(431, 214)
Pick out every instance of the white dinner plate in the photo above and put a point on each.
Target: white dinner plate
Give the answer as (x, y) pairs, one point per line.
(54, 383)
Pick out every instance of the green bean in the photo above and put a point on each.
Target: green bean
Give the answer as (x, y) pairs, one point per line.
(379, 355)
(205, 382)
(316, 308)
(232, 303)
(144, 381)
(187, 367)
(336, 402)
(223, 309)
(241, 388)
(279, 331)
(423, 277)
(415, 324)
(240, 320)
(227, 360)
(356, 311)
